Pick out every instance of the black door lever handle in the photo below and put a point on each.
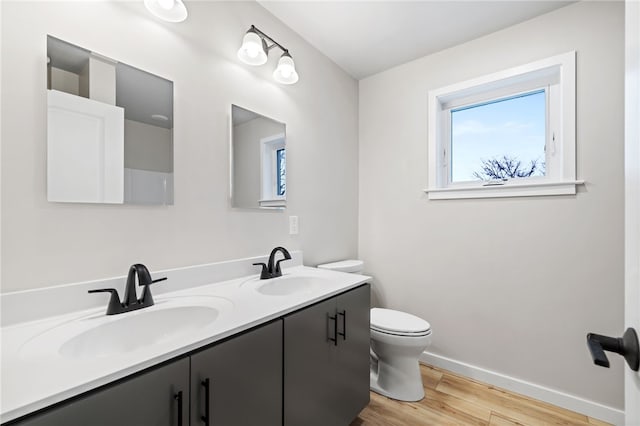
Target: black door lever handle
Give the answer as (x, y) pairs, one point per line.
(627, 346)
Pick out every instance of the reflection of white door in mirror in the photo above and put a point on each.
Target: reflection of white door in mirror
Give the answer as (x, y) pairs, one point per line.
(85, 150)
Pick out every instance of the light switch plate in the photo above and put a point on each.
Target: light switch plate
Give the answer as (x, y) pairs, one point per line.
(293, 225)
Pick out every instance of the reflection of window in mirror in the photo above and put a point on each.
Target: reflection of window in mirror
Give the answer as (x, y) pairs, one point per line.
(258, 161)
(281, 166)
(273, 171)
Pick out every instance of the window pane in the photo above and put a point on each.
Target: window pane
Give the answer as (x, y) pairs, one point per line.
(281, 168)
(499, 139)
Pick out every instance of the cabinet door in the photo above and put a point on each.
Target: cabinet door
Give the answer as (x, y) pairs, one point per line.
(352, 370)
(309, 360)
(244, 380)
(148, 399)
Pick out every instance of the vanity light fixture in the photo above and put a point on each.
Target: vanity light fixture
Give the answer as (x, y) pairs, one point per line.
(254, 51)
(167, 10)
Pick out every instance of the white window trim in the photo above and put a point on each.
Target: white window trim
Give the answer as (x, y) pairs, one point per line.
(559, 181)
(268, 151)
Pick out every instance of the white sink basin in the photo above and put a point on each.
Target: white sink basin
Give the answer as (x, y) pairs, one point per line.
(168, 321)
(131, 333)
(289, 284)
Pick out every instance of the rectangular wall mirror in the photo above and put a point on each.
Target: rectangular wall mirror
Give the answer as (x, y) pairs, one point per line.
(109, 130)
(258, 161)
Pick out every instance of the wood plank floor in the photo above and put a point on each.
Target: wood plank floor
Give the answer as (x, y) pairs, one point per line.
(455, 400)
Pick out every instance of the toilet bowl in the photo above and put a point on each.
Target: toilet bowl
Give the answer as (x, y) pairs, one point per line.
(397, 340)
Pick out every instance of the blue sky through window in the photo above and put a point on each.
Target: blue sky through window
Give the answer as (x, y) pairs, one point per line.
(514, 127)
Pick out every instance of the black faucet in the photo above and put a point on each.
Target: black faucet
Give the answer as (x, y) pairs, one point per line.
(271, 270)
(131, 301)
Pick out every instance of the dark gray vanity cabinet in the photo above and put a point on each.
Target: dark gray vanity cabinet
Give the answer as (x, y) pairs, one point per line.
(313, 362)
(353, 353)
(159, 397)
(326, 361)
(239, 382)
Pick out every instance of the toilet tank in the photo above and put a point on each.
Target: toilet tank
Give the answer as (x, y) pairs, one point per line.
(351, 266)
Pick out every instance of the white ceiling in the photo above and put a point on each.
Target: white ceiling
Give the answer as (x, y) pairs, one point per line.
(366, 37)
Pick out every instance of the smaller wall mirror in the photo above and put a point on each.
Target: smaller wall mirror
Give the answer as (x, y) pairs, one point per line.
(109, 130)
(258, 161)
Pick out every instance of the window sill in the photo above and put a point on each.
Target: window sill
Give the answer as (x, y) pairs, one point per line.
(507, 190)
(273, 203)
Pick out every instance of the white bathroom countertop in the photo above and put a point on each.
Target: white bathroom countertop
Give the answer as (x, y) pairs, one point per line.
(37, 374)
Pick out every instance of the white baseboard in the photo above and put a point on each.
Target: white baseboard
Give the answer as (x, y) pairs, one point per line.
(552, 396)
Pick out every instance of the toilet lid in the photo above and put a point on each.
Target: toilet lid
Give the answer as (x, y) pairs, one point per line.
(344, 266)
(397, 322)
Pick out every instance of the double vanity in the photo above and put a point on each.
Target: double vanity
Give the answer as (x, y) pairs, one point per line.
(219, 346)
(247, 342)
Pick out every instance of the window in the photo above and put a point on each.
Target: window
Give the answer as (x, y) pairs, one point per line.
(281, 167)
(499, 139)
(273, 171)
(511, 133)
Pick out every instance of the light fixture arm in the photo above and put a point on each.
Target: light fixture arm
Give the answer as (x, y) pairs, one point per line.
(269, 39)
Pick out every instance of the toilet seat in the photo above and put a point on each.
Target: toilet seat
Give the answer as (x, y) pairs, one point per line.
(398, 323)
(402, 334)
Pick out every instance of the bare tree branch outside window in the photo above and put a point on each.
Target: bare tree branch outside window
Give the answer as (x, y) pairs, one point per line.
(508, 168)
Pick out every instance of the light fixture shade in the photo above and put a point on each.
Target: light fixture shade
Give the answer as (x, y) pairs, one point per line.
(167, 10)
(286, 73)
(252, 51)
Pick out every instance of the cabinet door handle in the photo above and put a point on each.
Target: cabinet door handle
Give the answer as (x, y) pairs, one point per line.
(178, 398)
(343, 314)
(206, 417)
(334, 339)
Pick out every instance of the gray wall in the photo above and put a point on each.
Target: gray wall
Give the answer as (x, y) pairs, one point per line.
(147, 147)
(48, 244)
(509, 285)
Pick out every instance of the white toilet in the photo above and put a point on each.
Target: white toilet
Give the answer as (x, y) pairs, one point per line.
(397, 340)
